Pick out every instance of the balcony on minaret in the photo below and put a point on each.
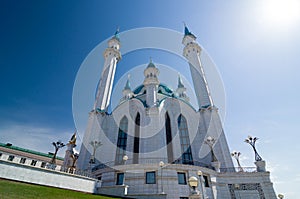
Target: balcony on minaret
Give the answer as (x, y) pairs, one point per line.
(151, 83)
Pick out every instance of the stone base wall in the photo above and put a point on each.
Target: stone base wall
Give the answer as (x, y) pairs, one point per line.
(41, 176)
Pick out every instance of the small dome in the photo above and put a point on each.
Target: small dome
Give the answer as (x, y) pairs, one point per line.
(151, 65)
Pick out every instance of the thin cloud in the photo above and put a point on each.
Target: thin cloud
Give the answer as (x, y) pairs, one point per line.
(33, 137)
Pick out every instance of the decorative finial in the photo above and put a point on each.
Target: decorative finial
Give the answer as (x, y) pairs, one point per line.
(150, 59)
(117, 30)
(116, 35)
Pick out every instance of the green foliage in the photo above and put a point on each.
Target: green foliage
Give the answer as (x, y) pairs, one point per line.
(11, 189)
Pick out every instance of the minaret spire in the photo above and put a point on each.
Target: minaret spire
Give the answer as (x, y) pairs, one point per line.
(151, 83)
(127, 93)
(111, 55)
(181, 90)
(192, 52)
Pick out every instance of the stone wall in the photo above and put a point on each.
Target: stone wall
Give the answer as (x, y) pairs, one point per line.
(41, 176)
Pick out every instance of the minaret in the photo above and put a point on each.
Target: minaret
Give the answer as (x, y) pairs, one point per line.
(111, 55)
(127, 93)
(181, 90)
(192, 52)
(151, 84)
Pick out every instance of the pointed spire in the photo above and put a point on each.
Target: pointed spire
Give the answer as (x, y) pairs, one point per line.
(187, 31)
(73, 138)
(180, 84)
(116, 35)
(127, 85)
(151, 65)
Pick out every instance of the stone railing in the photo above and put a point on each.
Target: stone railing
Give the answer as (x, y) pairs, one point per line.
(238, 169)
(149, 161)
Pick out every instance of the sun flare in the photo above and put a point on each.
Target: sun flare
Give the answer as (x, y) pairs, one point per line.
(281, 12)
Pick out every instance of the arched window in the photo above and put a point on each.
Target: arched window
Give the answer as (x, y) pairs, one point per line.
(186, 157)
(122, 140)
(136, 142)
(169, 138)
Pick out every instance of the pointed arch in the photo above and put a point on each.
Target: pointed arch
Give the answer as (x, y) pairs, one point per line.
(122, 140)
(136, 142)
(186, 157)
(169, 138)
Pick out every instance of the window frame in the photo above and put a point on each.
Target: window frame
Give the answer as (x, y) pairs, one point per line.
(11, 158)
(33, 163)
(22, 160)
(187, 155)
(147, 178)
(184, 175)
(121, 141)
(118, 179)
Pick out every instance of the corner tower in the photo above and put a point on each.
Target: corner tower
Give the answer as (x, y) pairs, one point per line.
(111, 55)
(192, 52)
(151, 83)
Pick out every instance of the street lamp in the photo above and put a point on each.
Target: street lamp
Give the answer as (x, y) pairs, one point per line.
(237, 187)
(250, 140)
(199, 173)
(193, 183)
(57, 145)
(161, 164)
(125, 158)
(280, 196)
(95, 144)
(210, 142)
(236, 155)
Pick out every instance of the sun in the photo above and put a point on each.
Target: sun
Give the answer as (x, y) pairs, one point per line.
(281, 13)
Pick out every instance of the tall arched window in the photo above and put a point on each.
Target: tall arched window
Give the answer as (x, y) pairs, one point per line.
(122, 140)
(136, 142)
(169, 138)
(186, 157)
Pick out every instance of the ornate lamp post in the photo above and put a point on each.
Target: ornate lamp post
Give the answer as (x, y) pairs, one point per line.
(161, 165)
(57, 145)
(210, 142)
(95, 144)
(199, 173)
(193, 183)
(236, 155)
(250, 140)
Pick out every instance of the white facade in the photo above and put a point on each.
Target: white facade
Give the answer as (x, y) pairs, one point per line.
(154, 124)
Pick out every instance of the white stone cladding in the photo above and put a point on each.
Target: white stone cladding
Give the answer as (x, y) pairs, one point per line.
(160, 139)
(112, 55)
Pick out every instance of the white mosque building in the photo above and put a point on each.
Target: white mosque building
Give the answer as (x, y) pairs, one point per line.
(150, 143)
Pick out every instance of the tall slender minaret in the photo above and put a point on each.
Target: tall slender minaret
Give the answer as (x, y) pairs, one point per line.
(151, 83)
(111, 55)
(192, 52)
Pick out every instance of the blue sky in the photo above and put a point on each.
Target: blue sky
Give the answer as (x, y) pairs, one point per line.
(43, 44)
